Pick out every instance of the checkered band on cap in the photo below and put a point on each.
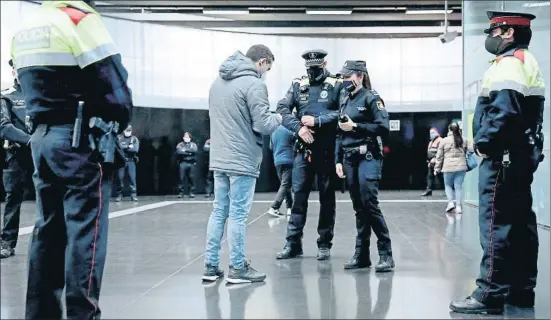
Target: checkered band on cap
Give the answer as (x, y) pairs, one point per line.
(314, 62)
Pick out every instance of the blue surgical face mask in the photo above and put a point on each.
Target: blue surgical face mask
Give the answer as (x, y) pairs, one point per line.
(433, 136)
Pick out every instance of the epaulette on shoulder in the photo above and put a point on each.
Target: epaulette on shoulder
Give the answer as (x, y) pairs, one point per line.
(373, 92)
(302, 81)
(75, 14)
(332, 80)
(7, 90)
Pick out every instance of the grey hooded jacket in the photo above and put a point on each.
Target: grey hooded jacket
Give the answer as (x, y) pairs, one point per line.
(239, 117)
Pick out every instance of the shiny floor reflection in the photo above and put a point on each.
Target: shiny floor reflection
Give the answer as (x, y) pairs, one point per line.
(155, 262)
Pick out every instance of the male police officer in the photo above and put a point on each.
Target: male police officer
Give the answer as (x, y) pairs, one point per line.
(186, 151)
(130, 146)
(13, 133)
(64, 54)
(314, 100)
(507, 135)
(209, 175)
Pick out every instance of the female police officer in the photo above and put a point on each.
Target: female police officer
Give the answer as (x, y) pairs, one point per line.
(358, 157)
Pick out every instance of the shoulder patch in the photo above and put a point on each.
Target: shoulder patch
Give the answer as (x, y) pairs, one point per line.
(74, 14)
(380, 105)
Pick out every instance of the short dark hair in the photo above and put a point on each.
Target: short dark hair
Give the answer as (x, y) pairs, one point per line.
(260, 51)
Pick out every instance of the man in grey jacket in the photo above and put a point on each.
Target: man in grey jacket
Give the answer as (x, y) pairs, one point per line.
(239, 117)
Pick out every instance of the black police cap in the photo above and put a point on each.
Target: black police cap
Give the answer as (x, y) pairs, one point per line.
(351, 66)
(314, 58)
(513, 19)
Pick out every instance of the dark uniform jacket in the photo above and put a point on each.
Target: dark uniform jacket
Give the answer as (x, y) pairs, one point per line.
(186, 152)
(129, 153)
(367, 110)
(12, 117)
(318, 100)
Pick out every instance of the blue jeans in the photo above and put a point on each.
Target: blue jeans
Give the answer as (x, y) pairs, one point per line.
(453, 181)
(233, 198)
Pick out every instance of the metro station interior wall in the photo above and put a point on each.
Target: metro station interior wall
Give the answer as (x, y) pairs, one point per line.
(475, 61)
(173, 67)
(157, 169)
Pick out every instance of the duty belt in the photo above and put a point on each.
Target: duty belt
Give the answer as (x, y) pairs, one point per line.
(354, 151)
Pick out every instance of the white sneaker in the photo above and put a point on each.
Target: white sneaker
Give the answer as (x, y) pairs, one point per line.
(288, 212)
(450, 207)
(274, 212)
(458, 210)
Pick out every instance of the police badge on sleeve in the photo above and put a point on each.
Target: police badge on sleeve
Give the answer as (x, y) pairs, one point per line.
(380, 105)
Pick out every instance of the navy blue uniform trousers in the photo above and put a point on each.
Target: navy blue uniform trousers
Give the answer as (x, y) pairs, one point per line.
(15, 177)
(302, 180)
(69, 240)
(129, 170)
(363, 177)
(508, 230)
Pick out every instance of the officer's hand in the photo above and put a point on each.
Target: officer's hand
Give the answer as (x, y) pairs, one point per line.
(436, 172)
(308, 121)
(131, 146)
(347, 126)
(363, 149)
(339, 170)
(306, 134)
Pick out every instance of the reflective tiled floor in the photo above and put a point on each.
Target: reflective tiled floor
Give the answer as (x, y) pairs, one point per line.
(155, 261)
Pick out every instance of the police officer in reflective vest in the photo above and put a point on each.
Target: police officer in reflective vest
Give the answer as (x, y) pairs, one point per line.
(64, 55)
(310, 111)
(15, 138)
(507, 129)
(130, 146)
(363, 123)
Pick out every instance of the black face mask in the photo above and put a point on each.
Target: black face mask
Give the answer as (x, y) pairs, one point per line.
(493, 44)
(315, 74)
(349, 85)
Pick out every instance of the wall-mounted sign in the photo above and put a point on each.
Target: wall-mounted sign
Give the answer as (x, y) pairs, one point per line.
(394, 125)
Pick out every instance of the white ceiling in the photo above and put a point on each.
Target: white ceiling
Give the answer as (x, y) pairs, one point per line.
(287, 17)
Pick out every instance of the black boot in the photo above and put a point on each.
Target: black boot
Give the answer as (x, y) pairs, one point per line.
(289, 253)
(119, 198)
(427, 193)
(358, 261)
(386, 264)
(324, 254)
(472, 306)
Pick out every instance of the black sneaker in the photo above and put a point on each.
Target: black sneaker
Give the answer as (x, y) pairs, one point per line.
(6, 250)
(324, 254)
(288, 253)
(191, 195)
(180, 195)
(427, 193)
(386, 264)
(119, 198)
(212, 273)
(357, 262)
(245, 275)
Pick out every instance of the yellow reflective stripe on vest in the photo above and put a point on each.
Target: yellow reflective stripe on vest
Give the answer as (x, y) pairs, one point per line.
(508, 74)
(46, 59)
(50, 37)
(96, 54)
(91, 41)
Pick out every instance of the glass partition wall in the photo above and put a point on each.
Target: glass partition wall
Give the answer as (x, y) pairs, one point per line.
(475, 62)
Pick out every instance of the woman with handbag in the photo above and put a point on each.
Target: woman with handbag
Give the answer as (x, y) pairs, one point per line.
(452, 162)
